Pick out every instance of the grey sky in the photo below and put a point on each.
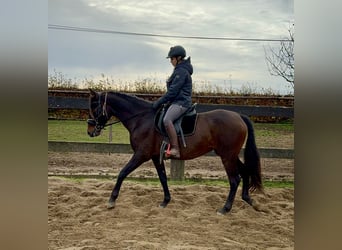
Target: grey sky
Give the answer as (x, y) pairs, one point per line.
(234, 63)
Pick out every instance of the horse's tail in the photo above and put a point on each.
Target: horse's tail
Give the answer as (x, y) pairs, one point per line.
(252, 157)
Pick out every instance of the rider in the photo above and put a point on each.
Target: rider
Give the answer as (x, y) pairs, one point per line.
(179, 91)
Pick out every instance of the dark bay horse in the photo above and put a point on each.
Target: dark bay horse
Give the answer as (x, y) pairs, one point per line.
(223, 131)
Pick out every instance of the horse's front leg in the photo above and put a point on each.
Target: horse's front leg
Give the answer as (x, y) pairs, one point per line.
(133, 163)
(160, 167)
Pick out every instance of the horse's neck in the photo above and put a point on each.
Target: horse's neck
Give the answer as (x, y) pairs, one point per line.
(127, 107)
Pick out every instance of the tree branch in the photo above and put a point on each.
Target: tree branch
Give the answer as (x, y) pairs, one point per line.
(281, 62)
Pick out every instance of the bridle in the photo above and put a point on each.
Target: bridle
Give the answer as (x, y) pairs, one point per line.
(99, 120)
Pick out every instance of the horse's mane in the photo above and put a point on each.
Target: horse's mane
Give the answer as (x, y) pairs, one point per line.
(131, 98)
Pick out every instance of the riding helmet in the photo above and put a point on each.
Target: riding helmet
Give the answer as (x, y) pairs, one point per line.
(176, 51)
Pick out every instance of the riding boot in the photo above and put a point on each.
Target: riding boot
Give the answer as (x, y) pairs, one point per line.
(171, 131)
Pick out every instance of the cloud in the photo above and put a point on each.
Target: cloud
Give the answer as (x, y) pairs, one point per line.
(76, 53)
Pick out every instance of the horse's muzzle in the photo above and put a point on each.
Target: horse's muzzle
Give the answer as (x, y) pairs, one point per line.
(91, 134)
(93, 128)
(93, 131)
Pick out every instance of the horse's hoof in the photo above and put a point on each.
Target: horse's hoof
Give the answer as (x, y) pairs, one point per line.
(248, 200)
(163, 204)
(222, 211)
(111, 205)
(256, 206)
(219, 213)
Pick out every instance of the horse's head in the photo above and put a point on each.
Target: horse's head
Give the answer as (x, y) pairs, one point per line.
(97, 113)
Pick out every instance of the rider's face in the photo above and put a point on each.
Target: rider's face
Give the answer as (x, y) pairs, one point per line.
(173, 61)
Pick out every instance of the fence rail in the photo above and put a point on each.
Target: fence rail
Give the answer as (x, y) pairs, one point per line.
(81, 103)
(101, 147)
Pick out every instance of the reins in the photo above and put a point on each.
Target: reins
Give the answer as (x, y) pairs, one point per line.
(112, 123)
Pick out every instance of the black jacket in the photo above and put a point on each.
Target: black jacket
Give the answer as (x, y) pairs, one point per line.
(179, 86)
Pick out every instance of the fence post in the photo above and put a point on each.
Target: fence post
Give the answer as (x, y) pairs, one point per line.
(110, 139)
(177, 170)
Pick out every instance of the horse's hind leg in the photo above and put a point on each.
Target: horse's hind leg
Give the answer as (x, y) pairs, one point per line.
(245, 183)
(160, 167)
(234, 181)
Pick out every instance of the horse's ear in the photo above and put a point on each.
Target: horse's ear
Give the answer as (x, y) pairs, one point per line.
(92, 93)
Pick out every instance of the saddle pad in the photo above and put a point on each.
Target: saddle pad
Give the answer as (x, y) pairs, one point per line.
(188, 124)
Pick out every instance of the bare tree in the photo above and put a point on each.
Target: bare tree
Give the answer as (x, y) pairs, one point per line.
(281, 62)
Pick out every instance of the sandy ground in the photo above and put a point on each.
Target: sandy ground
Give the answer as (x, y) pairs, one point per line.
(78, 218)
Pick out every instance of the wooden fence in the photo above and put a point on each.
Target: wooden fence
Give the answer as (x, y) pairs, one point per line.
(82, 103)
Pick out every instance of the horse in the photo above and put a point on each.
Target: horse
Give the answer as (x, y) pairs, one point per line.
(223, 131)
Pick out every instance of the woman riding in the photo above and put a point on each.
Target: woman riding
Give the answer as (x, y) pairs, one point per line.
(179, 91)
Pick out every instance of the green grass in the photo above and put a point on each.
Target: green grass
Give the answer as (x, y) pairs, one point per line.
(273, 129)
(70, 130)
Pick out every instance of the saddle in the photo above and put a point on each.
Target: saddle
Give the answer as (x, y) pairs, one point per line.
(184, 125)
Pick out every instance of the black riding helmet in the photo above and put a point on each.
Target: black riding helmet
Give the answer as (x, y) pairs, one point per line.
(176, 51)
